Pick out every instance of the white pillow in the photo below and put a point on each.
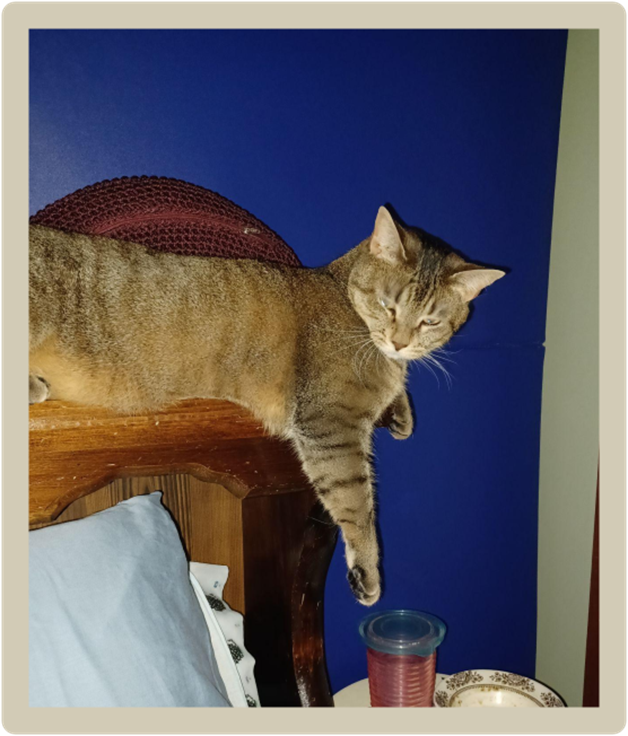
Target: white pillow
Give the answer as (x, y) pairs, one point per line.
(210, 582)
(113, 617)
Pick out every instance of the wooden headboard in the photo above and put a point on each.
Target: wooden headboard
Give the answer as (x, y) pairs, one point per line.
(239, 498)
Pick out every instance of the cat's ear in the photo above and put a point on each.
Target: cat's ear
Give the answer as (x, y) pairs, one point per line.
(386, 240)
(470, 282)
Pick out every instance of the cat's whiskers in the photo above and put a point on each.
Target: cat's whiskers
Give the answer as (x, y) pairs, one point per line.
(369, 356)
(353, 344)
(422, 361)
(358, 344)
(443, 354)
(380, 355)
(365, 358)
(358, 358)
(430, 359)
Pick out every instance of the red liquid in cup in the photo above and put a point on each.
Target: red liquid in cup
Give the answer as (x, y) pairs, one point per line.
(401, 650)
(401, 680)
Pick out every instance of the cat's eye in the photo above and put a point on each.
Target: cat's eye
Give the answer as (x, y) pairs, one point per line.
(431, 322)
(387, 306)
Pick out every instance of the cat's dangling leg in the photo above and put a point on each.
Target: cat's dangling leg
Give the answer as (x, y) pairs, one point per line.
(38, 389)
(336, 460)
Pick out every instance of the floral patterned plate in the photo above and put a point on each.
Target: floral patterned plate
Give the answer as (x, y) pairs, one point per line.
(493, 689)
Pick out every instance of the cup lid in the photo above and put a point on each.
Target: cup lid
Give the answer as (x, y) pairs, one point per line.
(402, 632)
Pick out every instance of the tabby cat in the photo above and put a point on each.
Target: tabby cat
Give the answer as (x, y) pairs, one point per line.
(318, 355)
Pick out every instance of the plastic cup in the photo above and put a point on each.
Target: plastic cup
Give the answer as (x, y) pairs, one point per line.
(401, 657)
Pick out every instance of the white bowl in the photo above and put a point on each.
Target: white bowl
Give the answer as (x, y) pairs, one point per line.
(493, 689)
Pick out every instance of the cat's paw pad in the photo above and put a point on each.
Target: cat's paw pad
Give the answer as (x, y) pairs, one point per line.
(366, 592)
(38, 389)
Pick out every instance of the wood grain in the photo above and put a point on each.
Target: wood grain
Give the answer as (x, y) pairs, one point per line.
(76, 449)
(238, 497)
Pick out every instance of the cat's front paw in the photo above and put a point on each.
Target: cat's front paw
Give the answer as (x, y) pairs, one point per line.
(364, 585)
(401, 427)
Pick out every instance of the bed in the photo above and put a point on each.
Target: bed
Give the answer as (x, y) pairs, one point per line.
(237, 496)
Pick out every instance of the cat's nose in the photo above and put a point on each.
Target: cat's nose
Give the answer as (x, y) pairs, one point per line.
(399, 345)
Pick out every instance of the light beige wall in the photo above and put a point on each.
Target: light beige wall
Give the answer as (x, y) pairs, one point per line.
(569, 422)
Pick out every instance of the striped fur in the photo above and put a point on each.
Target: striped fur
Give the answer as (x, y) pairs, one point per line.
(309, 351)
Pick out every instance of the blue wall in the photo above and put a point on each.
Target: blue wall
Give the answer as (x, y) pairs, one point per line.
(312, 131)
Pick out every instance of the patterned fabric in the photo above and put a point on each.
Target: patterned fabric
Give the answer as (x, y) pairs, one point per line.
(215, 603)
(212, 580)
(235, 650)
(167, 215)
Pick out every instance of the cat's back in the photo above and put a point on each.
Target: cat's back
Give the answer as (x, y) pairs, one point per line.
(56, 250)
(78, 281)
(59, 251)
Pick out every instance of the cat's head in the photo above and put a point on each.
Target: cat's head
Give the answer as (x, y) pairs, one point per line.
(411, 290)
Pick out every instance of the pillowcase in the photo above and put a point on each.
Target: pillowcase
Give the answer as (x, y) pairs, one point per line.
(113, 617)
(209, 582)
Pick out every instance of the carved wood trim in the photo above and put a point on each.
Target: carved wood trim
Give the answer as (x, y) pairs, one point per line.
(76, 449)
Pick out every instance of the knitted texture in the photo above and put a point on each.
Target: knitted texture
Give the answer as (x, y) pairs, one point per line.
(167, 215)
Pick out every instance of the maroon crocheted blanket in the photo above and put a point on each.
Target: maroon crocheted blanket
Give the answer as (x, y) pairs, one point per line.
(168, 215)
